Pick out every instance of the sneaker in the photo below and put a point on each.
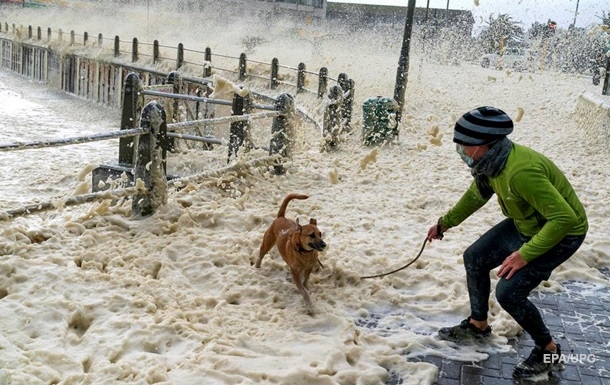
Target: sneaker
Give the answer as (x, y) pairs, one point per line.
(539, 361)
(464, 332)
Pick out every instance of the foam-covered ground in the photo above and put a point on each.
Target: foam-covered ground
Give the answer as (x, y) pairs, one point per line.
(90, 296)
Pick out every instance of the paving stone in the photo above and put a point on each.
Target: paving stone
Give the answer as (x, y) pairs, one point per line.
(496, 381)
(493, 362)
(448, 381)
(580, 323)
(471, 375)
(591, 380)
(451, 369)
(570, 372)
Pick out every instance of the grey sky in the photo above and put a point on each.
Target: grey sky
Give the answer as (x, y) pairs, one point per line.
(524, 11)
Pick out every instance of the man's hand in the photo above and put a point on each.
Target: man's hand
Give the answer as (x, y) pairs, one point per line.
(512, 264)
(436, 232)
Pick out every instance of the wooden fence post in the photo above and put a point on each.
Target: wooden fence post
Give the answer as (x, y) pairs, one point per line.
(275, 68)
(180, 56)
(134, 50)
(239, 131)
(150, 163)
(282, 130)
(300, 77)
(333, 118)
(130, 114)
(207, 66)
(155, 51)
(322, 82)
(175, 80)
(117, 46)
(242, 66)
(347, 85)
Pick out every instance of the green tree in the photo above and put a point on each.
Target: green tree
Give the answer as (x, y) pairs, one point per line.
(537, 30)
(500, 32)
(605, 18)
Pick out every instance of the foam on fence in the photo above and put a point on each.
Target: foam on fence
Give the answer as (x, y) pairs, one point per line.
(72, 201)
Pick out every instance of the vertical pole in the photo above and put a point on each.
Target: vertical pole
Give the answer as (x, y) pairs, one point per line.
(155, 51)
(239, 130)
(129, 117)
(134, 50)
(175, 80)
(100, 40)
(150, 163)
(180, 56)
(333, 118)
(207, 67)
(347, 85)
(275, 68)
(322, 82)
(282, 130)
(403, 63)
(117, 46)
(300, 77)
(242, 66)
(48, 33)
(606, 87)
(72, 36)
(39, 33)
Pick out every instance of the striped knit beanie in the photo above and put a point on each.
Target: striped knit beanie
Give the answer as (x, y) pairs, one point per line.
(482, 125)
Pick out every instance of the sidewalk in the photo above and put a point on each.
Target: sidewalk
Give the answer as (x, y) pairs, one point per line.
(580, 323)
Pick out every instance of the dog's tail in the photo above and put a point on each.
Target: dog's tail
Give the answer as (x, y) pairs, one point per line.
(282, 212)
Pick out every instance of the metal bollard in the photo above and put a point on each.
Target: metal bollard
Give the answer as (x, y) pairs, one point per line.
(282, 130)
(150, 165)
(132, 106)
(333, 119)
(239, 130)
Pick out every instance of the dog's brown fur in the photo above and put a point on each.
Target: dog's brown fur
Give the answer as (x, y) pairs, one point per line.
(298, 245)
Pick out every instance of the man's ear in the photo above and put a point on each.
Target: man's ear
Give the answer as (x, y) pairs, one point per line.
(313, 221)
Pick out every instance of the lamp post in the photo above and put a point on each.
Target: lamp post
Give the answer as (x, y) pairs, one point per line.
(403, 63)
(575, 13)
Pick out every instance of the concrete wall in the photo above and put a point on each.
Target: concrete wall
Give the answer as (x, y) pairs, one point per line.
(594, 111)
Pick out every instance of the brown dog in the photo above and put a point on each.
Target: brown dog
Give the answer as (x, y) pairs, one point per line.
(298, 245)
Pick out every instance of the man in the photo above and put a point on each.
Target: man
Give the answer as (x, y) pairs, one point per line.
(546, 223)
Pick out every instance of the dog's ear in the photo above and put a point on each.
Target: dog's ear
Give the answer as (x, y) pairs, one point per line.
(313, 221)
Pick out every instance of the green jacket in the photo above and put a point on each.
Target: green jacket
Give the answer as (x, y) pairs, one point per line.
(533, 192)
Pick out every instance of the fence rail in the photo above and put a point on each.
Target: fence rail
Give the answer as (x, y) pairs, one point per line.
(145, 135)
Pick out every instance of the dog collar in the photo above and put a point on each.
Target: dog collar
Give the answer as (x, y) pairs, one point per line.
(301, 250)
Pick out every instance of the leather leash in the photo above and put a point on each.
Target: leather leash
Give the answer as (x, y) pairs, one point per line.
(400, 268)
(439, 232)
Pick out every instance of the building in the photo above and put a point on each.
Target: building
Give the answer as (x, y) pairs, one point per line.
(369, 14)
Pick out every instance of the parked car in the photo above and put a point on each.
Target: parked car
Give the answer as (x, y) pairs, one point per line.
(514, 58)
